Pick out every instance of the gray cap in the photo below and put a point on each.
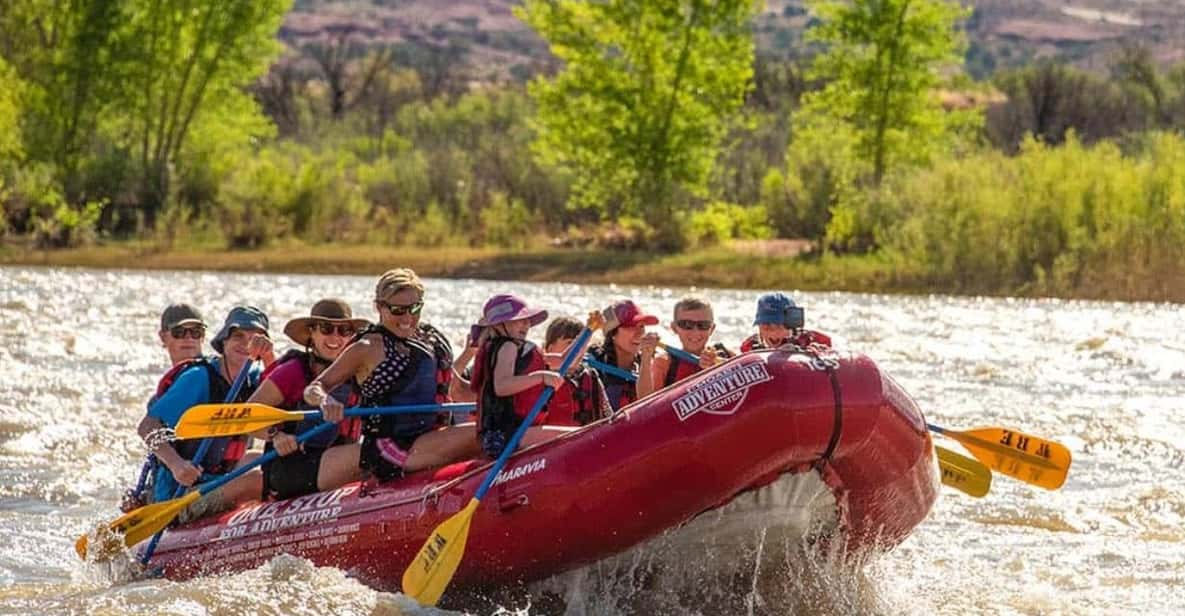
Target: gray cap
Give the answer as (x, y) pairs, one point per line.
(179, 314)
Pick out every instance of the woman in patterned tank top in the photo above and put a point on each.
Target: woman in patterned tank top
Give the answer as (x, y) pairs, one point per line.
(396, 363)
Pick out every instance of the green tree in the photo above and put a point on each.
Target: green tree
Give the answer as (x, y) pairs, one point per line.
(68, 55)
(10, 142)
(638, 110)
(193, 60)
(883, 61)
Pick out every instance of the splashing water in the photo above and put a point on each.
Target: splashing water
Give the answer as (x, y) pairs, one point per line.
(79, 356)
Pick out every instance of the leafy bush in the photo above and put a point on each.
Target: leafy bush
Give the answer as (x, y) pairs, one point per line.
(506, 222)
(1050, 220)
(719, 222)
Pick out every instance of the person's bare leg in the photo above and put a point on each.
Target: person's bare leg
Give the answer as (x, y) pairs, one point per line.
(249, 487)
(443, 446)
(339, 466)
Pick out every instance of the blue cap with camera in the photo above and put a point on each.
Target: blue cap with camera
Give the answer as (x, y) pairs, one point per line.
(778, 309)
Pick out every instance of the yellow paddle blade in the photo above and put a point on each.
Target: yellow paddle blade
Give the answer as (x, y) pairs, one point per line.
(432, 570)
(135, 526)
(212, 420)
(962, 473)
(1031, 459)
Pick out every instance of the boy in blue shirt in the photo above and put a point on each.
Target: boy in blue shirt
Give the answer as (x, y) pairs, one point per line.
(243, 338)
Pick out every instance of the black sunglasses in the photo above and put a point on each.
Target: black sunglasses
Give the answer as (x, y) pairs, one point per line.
(703, 326)
(398, 310)
(343, 329)
(181, 331)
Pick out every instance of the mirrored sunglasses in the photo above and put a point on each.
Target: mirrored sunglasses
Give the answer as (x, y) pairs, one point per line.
(703, 326)
(182, 331)
(397, 310)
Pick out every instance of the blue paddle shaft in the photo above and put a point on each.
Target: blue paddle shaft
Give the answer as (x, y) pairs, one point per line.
(620, 373)
(362, 411)
(210, 486)
(204, 446)
(512, 444)
(680, 354)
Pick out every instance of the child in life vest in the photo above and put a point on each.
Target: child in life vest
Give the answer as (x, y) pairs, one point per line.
(628, 346)
(779, 321)
(584, 400)
(509, 373)
(694, 323)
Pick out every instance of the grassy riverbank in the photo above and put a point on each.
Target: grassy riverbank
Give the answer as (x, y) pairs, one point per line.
(735, 266)
(727, 267)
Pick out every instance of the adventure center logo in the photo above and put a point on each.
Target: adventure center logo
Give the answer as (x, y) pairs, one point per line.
(723, 392)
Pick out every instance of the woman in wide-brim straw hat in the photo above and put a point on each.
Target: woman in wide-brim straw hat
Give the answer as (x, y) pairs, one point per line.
(400, 361)
(331, 460)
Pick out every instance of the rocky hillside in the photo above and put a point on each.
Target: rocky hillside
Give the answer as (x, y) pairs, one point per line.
(486, 38)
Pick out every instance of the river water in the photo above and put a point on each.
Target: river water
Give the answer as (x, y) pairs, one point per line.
(79, 356)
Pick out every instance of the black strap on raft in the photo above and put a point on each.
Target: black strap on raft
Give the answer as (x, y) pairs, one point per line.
(837, 426)
(829, 364)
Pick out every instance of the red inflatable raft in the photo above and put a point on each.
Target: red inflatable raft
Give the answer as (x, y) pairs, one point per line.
(723, 436)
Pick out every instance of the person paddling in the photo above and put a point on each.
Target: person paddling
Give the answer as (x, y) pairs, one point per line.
(400, 361)
(182, 331)
(779, 321)
(583, 400)
(694, 323)
(330, 460)
(243, 337)
(629, 347)
(509, 373)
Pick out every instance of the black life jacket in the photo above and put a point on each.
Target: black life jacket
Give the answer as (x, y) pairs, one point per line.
(224, 452)
(442, 350)
(619, 391)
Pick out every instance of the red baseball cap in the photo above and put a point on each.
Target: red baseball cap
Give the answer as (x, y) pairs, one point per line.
(625, 313)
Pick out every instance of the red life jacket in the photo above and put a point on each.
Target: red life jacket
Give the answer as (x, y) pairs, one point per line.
(580, 403)
(349, 430)
(802, 338)
(677, 369)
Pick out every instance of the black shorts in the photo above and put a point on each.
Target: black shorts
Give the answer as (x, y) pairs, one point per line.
(292, 475)
(373, 462)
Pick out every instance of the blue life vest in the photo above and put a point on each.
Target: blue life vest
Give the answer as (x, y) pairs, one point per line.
(416, 384)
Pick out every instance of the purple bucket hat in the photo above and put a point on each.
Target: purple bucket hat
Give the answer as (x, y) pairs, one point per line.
(506, 307)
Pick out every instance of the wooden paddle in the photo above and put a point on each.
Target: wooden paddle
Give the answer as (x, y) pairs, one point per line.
(426, 579)
(1033, 460)
(206, 420)
(138, 525)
